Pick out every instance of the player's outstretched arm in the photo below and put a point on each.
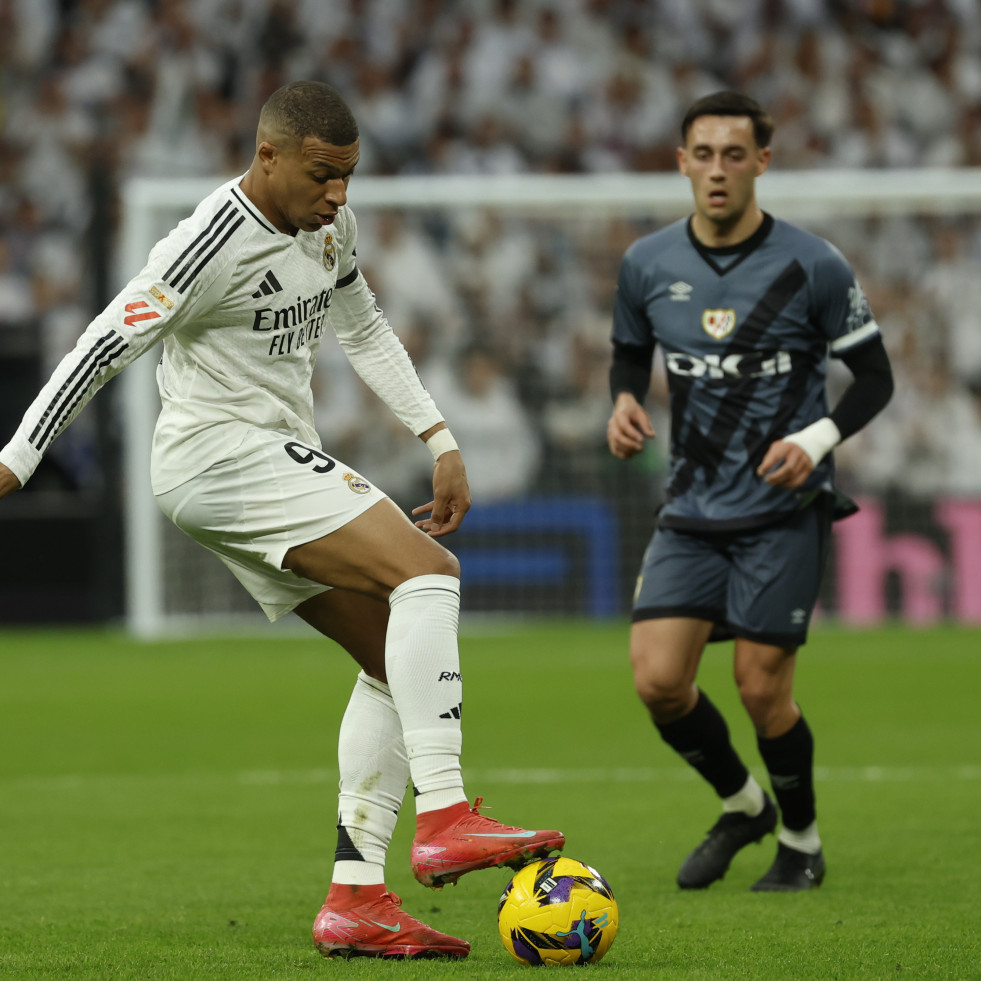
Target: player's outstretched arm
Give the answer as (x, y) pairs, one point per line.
(628, 427)
(8, 482)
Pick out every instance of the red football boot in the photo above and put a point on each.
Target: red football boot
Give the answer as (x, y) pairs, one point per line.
(367, 921)
(459, 839)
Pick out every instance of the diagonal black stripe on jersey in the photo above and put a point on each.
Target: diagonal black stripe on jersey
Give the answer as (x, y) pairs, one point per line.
(58, 413)
(271, 278)
(785, 287)
(757, 440)
(203, 235)
(705, 450)
(208, 256)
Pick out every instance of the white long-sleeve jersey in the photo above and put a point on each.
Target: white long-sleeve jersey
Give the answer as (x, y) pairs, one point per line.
(241, 309)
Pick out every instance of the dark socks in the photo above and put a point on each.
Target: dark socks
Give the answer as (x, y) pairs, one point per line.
(702, 738)
(789, 760)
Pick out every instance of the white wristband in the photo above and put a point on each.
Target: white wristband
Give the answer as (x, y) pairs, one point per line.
(441, 442)
(817, 440)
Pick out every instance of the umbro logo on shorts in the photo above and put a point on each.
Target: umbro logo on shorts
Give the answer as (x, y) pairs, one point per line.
(269, 285)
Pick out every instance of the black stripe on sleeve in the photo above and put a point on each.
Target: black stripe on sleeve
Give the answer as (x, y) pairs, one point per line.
(205, 234)
(206, 248)
(631, 369)
(106, 350)
(208, 256)
(347, 280)
(870, 389)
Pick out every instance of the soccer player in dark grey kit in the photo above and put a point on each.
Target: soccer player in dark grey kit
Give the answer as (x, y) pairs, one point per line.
(746, 309)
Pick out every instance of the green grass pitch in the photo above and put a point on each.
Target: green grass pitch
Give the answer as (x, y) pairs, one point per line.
(167, 810)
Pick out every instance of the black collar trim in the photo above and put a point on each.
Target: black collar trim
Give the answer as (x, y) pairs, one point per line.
(741, 249)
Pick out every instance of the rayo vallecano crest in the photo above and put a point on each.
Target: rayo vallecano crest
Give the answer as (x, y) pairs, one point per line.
(718, 323)
(330, 252)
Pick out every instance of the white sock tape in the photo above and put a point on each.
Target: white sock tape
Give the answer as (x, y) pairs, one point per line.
(817, 439)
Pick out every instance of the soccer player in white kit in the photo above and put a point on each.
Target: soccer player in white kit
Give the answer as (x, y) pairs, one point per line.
(240, 293)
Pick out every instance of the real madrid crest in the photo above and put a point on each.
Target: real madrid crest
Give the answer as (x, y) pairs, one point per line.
(330, 252)
(718, 323)
(358, 484)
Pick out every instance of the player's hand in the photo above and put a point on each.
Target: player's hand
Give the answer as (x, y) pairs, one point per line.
(628, 427)
(785, 465)
(8, 482)
(451, 497)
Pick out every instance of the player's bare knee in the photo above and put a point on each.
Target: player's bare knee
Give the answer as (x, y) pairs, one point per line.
(435, 561)
(761, 702)
(666, 700)
(449, 564)
(439, 561)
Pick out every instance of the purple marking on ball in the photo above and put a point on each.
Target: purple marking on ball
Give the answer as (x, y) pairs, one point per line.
(524, 950)
(562, 890)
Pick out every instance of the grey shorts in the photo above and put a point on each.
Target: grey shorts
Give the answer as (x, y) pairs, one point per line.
(760, 584)
(271, 493)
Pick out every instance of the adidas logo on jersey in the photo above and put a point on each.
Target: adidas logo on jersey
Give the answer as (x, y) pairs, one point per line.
(680, 291)
(269, 285)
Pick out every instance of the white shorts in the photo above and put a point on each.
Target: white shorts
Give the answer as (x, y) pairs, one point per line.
(272, 494)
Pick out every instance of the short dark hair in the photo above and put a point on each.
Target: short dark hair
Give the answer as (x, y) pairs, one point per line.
(731, 104)
(302, 109)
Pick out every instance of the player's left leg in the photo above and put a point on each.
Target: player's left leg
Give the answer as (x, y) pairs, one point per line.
(679, 605)
(773, 593)
(764, 676)
(380, 553)
(360, 917)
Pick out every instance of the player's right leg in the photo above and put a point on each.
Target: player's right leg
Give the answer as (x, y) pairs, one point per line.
(360, 917)
(382, 553)
(776, 580)
(665, 654)
(681, 597)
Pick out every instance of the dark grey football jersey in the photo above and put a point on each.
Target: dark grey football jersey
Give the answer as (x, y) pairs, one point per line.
(746, 333)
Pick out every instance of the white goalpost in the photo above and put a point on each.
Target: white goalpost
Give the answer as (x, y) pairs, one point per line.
(172, 585)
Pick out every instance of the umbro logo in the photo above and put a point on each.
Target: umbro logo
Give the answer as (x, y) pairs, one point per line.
(680, 291)
(269, 285)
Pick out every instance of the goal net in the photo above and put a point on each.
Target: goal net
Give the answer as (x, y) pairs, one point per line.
(501, 288)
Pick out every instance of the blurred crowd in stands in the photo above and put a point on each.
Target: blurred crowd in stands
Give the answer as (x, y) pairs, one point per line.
(513, 342)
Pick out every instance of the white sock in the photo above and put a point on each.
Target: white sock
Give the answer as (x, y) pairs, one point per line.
(748, 799)
(358, 874)
(422, 661)
(374, 774)
(808, 840)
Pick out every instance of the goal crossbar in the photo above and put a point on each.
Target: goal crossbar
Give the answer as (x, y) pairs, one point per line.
(149, 207)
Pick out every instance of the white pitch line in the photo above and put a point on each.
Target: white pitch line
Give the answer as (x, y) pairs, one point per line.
(506, 775)
(576, 777)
